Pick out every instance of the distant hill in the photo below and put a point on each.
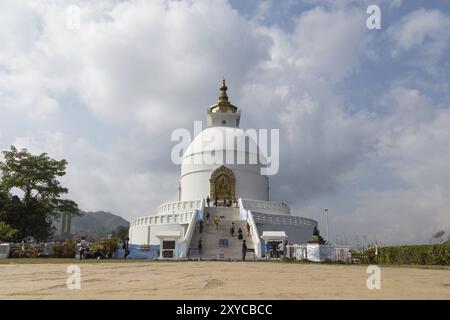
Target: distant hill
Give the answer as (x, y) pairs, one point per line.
(95, 224)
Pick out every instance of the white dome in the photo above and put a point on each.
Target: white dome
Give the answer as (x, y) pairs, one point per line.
(223, 146)
(216, 139)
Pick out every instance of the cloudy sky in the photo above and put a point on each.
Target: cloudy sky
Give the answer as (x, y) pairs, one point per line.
(364, 115)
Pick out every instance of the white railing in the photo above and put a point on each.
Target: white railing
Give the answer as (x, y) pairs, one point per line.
(266, 207)
(316, 252)
(262, 218)
(157, 219)
(185, 243)
(170, 213)
(172, 207)
(247, 215)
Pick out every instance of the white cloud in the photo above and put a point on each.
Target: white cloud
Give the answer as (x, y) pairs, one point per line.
(414, 140)
(401, 215)
(426, 33)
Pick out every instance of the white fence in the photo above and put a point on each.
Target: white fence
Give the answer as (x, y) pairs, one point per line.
(247, 215)
(317, 253)
(184, 244)
(157, 219)
(173, 207)
(266, 207)
(170, 213)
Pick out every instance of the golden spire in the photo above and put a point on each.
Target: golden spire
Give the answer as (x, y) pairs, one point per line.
(223, 92)
(223, 105)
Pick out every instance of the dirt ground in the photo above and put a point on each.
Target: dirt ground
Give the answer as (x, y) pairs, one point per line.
(217, 280)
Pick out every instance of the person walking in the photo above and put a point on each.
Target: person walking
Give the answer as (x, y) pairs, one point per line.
(248, 229)
(126, 248)
(207, 217)
(232, 229)
(244, 250)
(215, 202)
(83, 248)
(208, 200)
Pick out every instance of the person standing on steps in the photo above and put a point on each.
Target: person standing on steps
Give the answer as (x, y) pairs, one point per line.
(248, 229)
(240, 237)
(207, 218)
(200, 225)
(208, 200)
(232, 229)
(244, 250)
(215, 202)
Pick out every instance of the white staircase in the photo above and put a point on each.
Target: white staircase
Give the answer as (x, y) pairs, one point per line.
(211, 249)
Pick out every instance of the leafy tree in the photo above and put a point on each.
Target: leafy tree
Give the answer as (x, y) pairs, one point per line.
(6, 232)
(4, 199)
(38, 202)
(121, 232)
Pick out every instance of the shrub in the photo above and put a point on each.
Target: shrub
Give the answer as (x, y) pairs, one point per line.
(104, 247)
(434, 254)
(64, 249)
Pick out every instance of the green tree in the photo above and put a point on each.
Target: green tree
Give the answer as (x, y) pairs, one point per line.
(121, 232)
(6, 232)
(38, 201)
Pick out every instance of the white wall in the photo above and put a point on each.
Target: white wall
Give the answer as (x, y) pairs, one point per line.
(142, 234)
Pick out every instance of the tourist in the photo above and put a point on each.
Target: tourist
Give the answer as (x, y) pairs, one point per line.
(83, 247)
(285, 248)
(280, 248)
(208, 200)
(207, 217)
(126, 248)
(244, 250)
(216, 222)
(200, 246)
(248, 229)
(215, 202)
(267, 250)
(232, 229)
(240, 237)
(274, 249)
(200, 225)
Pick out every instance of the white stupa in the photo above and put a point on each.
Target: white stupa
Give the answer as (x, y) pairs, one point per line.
(223, 164)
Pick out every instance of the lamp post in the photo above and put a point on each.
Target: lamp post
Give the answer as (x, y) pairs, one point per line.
(328, 229)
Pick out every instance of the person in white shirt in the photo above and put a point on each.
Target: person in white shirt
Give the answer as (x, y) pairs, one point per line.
(83, 247)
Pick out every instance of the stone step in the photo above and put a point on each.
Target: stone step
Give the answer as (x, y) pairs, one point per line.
(224, 212)
(211, 236)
